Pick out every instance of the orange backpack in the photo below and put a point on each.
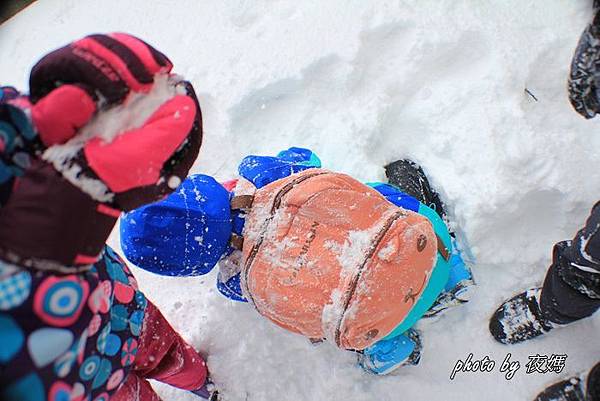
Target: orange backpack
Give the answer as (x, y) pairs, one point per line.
(329, 257)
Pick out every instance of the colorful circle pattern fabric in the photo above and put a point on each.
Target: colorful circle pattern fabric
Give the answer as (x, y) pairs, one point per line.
(58, 301)
(12, 338)
(129, 351)
(85, 339)
(89, 368)
(14, 290)
(115, 379)
(60, 391)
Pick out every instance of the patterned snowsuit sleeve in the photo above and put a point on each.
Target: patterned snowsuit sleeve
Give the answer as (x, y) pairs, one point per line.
(72, 321)
(18, 140)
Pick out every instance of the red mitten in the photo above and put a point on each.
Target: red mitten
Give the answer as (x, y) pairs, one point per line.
(125, 163)
(68, 85)
(101, 159)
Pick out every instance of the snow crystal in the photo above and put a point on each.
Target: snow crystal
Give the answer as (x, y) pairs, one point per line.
(386, 251)
(174, 182)
(586, 256)
(332, 313)
(585, 268)
(355, 249)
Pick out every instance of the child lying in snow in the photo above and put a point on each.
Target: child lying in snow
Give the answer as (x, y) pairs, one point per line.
(73, 154)
(316, 252)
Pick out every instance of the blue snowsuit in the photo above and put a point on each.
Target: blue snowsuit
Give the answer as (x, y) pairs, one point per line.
(188, 232)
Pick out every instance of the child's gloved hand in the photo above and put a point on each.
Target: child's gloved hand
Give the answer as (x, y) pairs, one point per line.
(68, 85)
(71, 85)
(263, 170)
(67, 201)
(140, 165)
(584, 75)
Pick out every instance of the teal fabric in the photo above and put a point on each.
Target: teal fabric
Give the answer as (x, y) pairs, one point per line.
(438, 225)
(314, 161)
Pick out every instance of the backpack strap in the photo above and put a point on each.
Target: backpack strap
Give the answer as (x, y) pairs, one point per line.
(242, 202)
(239, 203)
(236, 241)
(442, 248)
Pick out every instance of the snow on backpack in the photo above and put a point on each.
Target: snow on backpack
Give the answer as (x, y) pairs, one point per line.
(329, 257)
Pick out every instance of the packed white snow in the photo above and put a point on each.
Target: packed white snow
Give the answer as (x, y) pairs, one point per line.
(363, 84)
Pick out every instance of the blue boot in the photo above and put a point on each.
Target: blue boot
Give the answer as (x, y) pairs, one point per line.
(385, 356)
(459, 288)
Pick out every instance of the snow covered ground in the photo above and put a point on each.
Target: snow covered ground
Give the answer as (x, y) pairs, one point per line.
(362, 85)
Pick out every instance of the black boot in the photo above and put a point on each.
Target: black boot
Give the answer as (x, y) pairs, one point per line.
(582, 87)
(409, 177)
(208, 391)
(567, 390)
(520, 319)
(584, 387)
(593, 384)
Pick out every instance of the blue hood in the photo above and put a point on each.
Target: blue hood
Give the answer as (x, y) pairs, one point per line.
(185, 234)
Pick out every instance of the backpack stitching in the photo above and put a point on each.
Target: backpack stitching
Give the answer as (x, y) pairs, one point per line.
(352, 289)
